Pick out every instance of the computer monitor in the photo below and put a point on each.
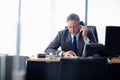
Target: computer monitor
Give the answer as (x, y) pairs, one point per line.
(94, 50)
(112, 41)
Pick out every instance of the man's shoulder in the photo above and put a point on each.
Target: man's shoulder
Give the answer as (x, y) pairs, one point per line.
(63, 31)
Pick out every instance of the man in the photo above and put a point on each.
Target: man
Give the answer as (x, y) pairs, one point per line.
(71, 40)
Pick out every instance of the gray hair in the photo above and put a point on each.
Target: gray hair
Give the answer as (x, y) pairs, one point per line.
(73, 16)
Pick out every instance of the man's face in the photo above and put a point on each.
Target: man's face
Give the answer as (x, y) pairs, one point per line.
(73, 27)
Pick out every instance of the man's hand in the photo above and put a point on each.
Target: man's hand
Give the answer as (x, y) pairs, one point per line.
(68, 53)
(84, 30)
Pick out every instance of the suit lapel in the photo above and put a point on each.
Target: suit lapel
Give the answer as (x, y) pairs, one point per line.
(68, 40)
(80, 45)
(68, 43)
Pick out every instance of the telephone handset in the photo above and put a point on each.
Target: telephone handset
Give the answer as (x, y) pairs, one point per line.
(82, 24)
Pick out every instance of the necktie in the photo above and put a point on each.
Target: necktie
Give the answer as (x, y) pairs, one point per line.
(74, 45)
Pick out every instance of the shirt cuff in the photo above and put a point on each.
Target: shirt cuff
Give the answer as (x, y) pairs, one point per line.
(60, 54)
(87, 41)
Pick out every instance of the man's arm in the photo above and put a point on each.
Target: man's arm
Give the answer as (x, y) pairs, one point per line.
(53, 46)
(87, 35)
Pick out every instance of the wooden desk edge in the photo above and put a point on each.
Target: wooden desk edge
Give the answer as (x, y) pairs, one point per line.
(44, 59)
(115, 60)
(112, 61)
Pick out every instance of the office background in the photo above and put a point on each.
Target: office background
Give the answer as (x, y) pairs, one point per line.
(42, 19)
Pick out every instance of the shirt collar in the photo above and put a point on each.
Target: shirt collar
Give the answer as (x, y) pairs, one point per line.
(77, 35)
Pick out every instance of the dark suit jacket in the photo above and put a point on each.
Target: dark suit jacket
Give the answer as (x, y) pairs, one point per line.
(64, 40)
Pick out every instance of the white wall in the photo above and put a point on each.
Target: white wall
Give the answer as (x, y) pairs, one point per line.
(103, 13)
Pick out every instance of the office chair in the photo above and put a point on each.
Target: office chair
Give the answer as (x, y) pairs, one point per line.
(94, 31)
(112, 41)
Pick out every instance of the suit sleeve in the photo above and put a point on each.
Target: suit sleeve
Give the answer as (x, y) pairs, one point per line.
(53, 46)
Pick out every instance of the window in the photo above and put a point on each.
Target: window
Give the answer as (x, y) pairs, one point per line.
(41, 20)
(8, 25)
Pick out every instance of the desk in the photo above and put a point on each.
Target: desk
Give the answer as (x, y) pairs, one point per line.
(43, 69)
(114, 69)
(115, 61)
(44, 59)
(51, 69)
(112, 61)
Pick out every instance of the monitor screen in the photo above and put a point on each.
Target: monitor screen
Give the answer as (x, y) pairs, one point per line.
(112, 41)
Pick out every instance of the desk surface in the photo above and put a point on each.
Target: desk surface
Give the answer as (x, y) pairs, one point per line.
(113, 60)
(44, 59)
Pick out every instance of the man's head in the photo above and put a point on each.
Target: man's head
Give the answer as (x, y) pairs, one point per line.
(73, 21)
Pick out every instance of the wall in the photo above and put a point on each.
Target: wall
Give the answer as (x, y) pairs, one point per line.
(103, 13)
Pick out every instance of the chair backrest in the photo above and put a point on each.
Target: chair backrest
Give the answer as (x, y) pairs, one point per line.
(112, 41)
(94, 31)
